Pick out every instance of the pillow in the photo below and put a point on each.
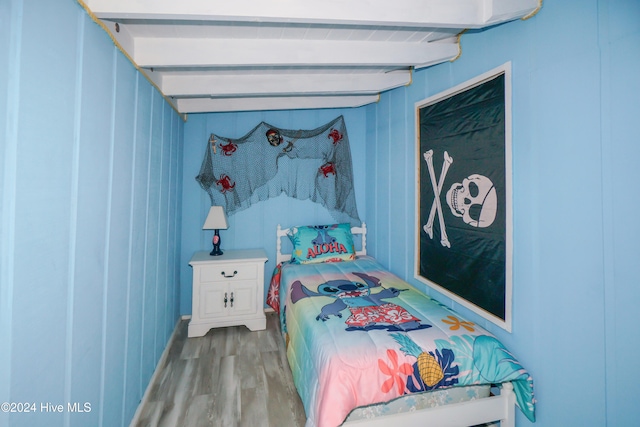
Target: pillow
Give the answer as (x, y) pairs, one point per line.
(322, 243)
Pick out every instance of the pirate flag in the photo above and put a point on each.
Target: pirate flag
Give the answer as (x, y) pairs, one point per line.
(462, 206)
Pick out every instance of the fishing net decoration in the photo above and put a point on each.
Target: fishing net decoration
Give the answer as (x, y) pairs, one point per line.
(304, 164)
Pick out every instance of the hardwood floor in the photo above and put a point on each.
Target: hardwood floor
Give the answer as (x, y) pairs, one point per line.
(230, 377)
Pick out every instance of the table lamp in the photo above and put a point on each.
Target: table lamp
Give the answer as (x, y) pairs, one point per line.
(216, 220)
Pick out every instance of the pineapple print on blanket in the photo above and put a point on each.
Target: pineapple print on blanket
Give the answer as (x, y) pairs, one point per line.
(431, 370)
(367, 310)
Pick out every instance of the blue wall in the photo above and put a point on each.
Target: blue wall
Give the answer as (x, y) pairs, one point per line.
(90, 187)
(575, 68)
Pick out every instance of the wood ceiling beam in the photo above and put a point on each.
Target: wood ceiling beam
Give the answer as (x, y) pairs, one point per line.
(413, 13)
(213, 105)
(177, 52)
(175, 84)
(275, 70)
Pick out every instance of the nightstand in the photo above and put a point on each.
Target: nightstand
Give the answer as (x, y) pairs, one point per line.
(228, 290)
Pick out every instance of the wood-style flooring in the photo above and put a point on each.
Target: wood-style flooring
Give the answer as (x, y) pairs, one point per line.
(230, 377)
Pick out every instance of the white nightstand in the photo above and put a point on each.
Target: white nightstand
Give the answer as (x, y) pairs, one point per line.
(228, 290)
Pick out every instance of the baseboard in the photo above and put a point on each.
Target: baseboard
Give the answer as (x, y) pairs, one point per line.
(188, 316)
(266, 310)
(156, 373)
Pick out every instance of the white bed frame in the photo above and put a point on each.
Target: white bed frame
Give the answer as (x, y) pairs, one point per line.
(499, 408)
(489, 409)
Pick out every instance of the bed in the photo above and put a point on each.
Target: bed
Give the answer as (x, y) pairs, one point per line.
(366, 348)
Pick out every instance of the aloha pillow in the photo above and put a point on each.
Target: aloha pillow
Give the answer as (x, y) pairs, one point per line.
(322, 243)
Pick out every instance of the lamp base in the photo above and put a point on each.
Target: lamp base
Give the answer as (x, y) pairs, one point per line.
(216, 244)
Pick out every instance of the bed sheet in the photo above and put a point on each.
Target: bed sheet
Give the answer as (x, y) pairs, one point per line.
(358, 335)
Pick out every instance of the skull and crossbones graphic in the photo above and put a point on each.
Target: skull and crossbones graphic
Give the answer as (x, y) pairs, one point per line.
(475, 199)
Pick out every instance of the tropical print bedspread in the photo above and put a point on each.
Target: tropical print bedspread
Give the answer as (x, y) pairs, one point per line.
(358, 335)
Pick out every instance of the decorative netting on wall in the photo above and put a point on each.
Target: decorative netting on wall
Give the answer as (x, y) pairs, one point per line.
(268, 161)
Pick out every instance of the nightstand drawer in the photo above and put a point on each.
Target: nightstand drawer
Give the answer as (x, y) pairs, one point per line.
(226, 272)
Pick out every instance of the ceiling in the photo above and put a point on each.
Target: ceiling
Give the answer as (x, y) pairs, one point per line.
(251, 55)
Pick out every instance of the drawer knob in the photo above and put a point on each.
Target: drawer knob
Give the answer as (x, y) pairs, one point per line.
(230, 275)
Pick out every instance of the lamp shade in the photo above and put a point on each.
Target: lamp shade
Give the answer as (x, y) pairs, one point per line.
(216, 219)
